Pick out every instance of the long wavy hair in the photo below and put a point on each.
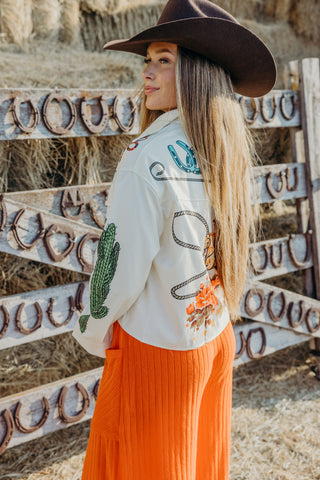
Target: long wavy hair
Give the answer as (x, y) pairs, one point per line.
(213, 123)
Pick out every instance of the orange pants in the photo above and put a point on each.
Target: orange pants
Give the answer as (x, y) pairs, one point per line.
(162, 414)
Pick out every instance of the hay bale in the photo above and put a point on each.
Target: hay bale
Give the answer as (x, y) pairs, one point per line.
(70, 22)
(46, 18)
(16, 21)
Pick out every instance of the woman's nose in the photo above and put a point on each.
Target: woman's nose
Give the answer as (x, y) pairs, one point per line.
(148, 72)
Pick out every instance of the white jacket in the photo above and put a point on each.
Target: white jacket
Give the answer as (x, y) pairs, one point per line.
(155, 267)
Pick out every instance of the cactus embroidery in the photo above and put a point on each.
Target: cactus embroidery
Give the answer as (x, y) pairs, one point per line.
(104, 270)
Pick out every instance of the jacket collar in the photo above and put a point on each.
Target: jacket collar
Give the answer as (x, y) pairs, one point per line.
(161, 122)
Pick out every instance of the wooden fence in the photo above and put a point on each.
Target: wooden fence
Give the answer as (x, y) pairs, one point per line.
(64, 231)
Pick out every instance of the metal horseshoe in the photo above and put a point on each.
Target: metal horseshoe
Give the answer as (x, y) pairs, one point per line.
(96, 389)
(6, 320)
(274, 109)
(100, 126)
(276, 318)
(296, 179)
(256, 270)
(58, 257)
(282, 107)
(292, 255)
(310, 328)
(79, 294)
(4, 214)
(114, 115)
(258, 355)
(16, 116)
(243, 346)
(272, 191)
(72, 198)
(276, 263)
(14, 227)
(85, 404)
(8, 420)
(293, 323)
(86, 267)
(22, 428)
(255, 115)
(21, 328)
(58, 129)
(97, 217)
(251, 293)
(72, 309)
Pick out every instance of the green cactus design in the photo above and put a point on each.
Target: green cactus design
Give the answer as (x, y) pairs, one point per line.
(104, 270)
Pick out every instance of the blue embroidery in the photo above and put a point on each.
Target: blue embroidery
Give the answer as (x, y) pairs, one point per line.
(191, 165)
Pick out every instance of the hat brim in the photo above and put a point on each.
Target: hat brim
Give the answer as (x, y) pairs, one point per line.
(229, 44)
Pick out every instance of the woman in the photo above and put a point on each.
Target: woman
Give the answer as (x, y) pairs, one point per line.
(171, 262)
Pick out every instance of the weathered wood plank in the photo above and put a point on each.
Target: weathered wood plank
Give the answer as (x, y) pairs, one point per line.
(41, 313)
(309, 74)
(253, 342)
(83, 203)
(288, 310)
(279, 182)
(37, 235)
(44, 113)
(279, 256)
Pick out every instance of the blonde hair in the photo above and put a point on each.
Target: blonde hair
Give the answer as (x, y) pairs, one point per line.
(213, 123)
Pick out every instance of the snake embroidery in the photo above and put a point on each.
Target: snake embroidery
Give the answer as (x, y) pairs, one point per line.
(104, 270)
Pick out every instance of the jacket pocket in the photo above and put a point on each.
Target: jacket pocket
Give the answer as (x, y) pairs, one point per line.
(106, 417)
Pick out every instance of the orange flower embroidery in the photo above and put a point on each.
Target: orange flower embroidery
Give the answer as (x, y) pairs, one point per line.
(205, 302)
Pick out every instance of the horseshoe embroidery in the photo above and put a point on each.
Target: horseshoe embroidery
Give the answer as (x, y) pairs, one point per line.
(58, 257)
(191, 164)
(272, 191)
(292, 255)
(114, 115)
(292, 323)
(4, 214)
(276, 318)
(16, 116)
(6, 320)
(59, 129)
(20, 327)
(100, 126)
(85, 404)
(8, 420)
(15, 226)
(22, 428)
(72, 309)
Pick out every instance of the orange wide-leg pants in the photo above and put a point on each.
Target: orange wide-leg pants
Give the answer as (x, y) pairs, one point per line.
(162, 414)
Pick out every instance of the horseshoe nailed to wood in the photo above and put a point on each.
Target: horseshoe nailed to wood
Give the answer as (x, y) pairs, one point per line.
(97, 217)
(243, 346)
(85, 404)
(256, 270)
(249, 120)
(72, 198)
(272, 191)
(258, 355)
(8, 420)
(27, 331)
(114, 115)
(310, 328)
(96, 389)
(282, 107)
(16, 115)
(276, 263)
(58, 129)
(15, 226)
(292, 255)
(251, 293)
(22, 428)
(72, 309)
(293, 323)
(6, 320)
(86, 267)
(100, 126)
(78, 300)
(276, 318)
(274, 109)
(292, 188)
(57, 257)
(4, 215)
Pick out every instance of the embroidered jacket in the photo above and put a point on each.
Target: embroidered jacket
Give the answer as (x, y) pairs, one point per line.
(155, 263)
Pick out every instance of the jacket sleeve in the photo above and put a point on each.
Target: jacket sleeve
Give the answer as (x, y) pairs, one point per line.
(127, 247)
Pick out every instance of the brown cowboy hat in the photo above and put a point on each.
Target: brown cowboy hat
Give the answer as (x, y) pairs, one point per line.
(205, 28)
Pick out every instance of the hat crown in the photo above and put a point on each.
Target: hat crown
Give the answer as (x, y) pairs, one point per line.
(187, 9)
